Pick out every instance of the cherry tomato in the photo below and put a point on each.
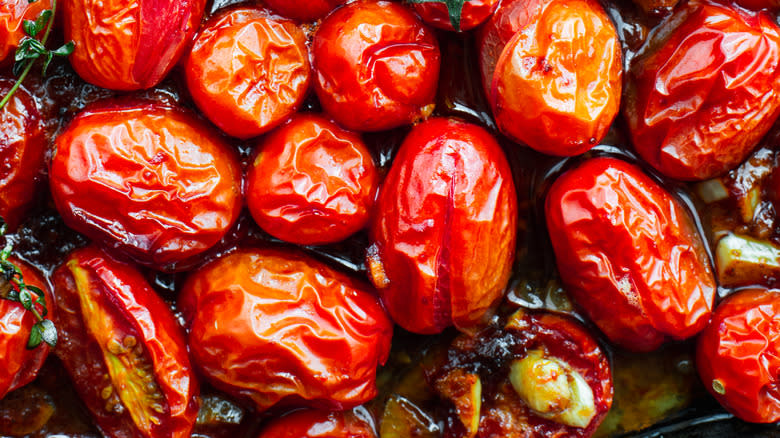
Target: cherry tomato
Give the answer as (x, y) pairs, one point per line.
(312, 182)
(248, 71)
(319, 424)
(150, 180)
(129, 44)
(278, 327)
(12, 14)
(304, 11)
(629, 254)
(443, 235)
(377, 66)
(123, 348)
(697, 103)
(473, 13)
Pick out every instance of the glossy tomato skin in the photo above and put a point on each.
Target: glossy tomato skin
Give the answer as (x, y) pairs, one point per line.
(319, 424)
(693, 117)
(279, 328)
(629, 254)
(474, 13)
(376, 66)
(312, 182)
(443, 235)
(129, 44)
(248, 71)
(123, 348)
(738, 355)
(304, 11)
(12, 14)
(150, 180)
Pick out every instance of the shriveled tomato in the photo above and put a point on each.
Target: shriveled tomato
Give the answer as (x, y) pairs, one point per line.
(704, 90)
(472, 14)
(123, 348)
(304, 11)
(150, 180)
(319, 424)
(377, 66)
(312, 182)
(129, 44)
(248, 71)
(12, 14)
(629, 254)
(277, 327)
(443, 235)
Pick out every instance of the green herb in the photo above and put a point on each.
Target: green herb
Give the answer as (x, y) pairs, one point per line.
(455, 8)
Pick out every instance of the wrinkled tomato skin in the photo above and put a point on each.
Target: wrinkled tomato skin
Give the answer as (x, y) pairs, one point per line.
(279, 328)
(22, 153)
(99, 301)
(18, 365)
(319, 424)
(304, 11)
(740, 348)
(376, 66)
(693, 117)
(248, 71)
(129, 44)
(149, 180)
(474, 13)
(12, 14)
(443, 234)
(312, 182)
(629, 254)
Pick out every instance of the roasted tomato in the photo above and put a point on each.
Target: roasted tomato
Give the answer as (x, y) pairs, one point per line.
(123, 348)
(304, 11)
(629, 254)
(443, 235)
(277, 327)
(693, 117)
(22, 149)
(656, 6)
(472, 14)
(377, 66)
(319, 424)
(12, 14)
(248, 71)
(759, 4)
(312, 182)
(738, 355)
(150, 180)
(129, 44)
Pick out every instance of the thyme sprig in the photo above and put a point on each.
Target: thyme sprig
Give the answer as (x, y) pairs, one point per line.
(455, 8)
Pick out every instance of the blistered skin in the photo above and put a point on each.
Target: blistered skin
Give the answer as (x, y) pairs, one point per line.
(309, 10)
(319, 424)
(376, 66)
(149, 180)
(312, 182)
(129, 44)
(629, 254)
(12, 14)
(474, 13)
(276, 327)
(247, 71)
(738, 355)
(704, 90)
(123, 349)
(443, 235)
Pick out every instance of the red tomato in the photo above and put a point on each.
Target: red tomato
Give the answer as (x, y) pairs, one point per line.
(758, 4)
(443, 235)
(473, 13)
(129, 44)
(377, 66)
(277, 327)
(150, 180)
(123, 348)
(247, 71)
(738, 355)
(629, 254)
(319, 424)
(312, 182)
(309, 10)
(695, 116)
(12, 14)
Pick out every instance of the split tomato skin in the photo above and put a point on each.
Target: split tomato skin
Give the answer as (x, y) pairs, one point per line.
(304, 11)
(12, 15)
(629, 254)
(319, 424)
(473, 13)
(444, 229)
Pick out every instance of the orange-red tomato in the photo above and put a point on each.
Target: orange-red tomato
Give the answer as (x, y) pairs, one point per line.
(129, 44)
(697, 103)
(473, 13)
(12, 14)
(278, 327)
(147, 179)
(443, 234)
(319, 424)
(312, 182)
(309, 10)
(248, 71)
(376, 65)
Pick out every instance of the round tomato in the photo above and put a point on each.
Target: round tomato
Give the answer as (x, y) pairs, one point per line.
(319, 424)
(304, 11)
(12, 15)
(472, 14)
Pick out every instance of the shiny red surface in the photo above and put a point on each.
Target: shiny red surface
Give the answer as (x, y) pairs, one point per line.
(318, 424)
(12, 14)
(474, 13)
(309, 10)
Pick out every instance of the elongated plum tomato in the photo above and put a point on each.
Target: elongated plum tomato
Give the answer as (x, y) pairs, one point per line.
(443, 234)
(738, 355)
(304, 11)
(693, 117)
(629, 255)
(278, 327)
(473, 13)
(312, 182)
(248, 71)
(12, 15)
(376, 65)
(150, 180)
(123, 348)
(129, 44)
(18, 365)
(319, 424)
